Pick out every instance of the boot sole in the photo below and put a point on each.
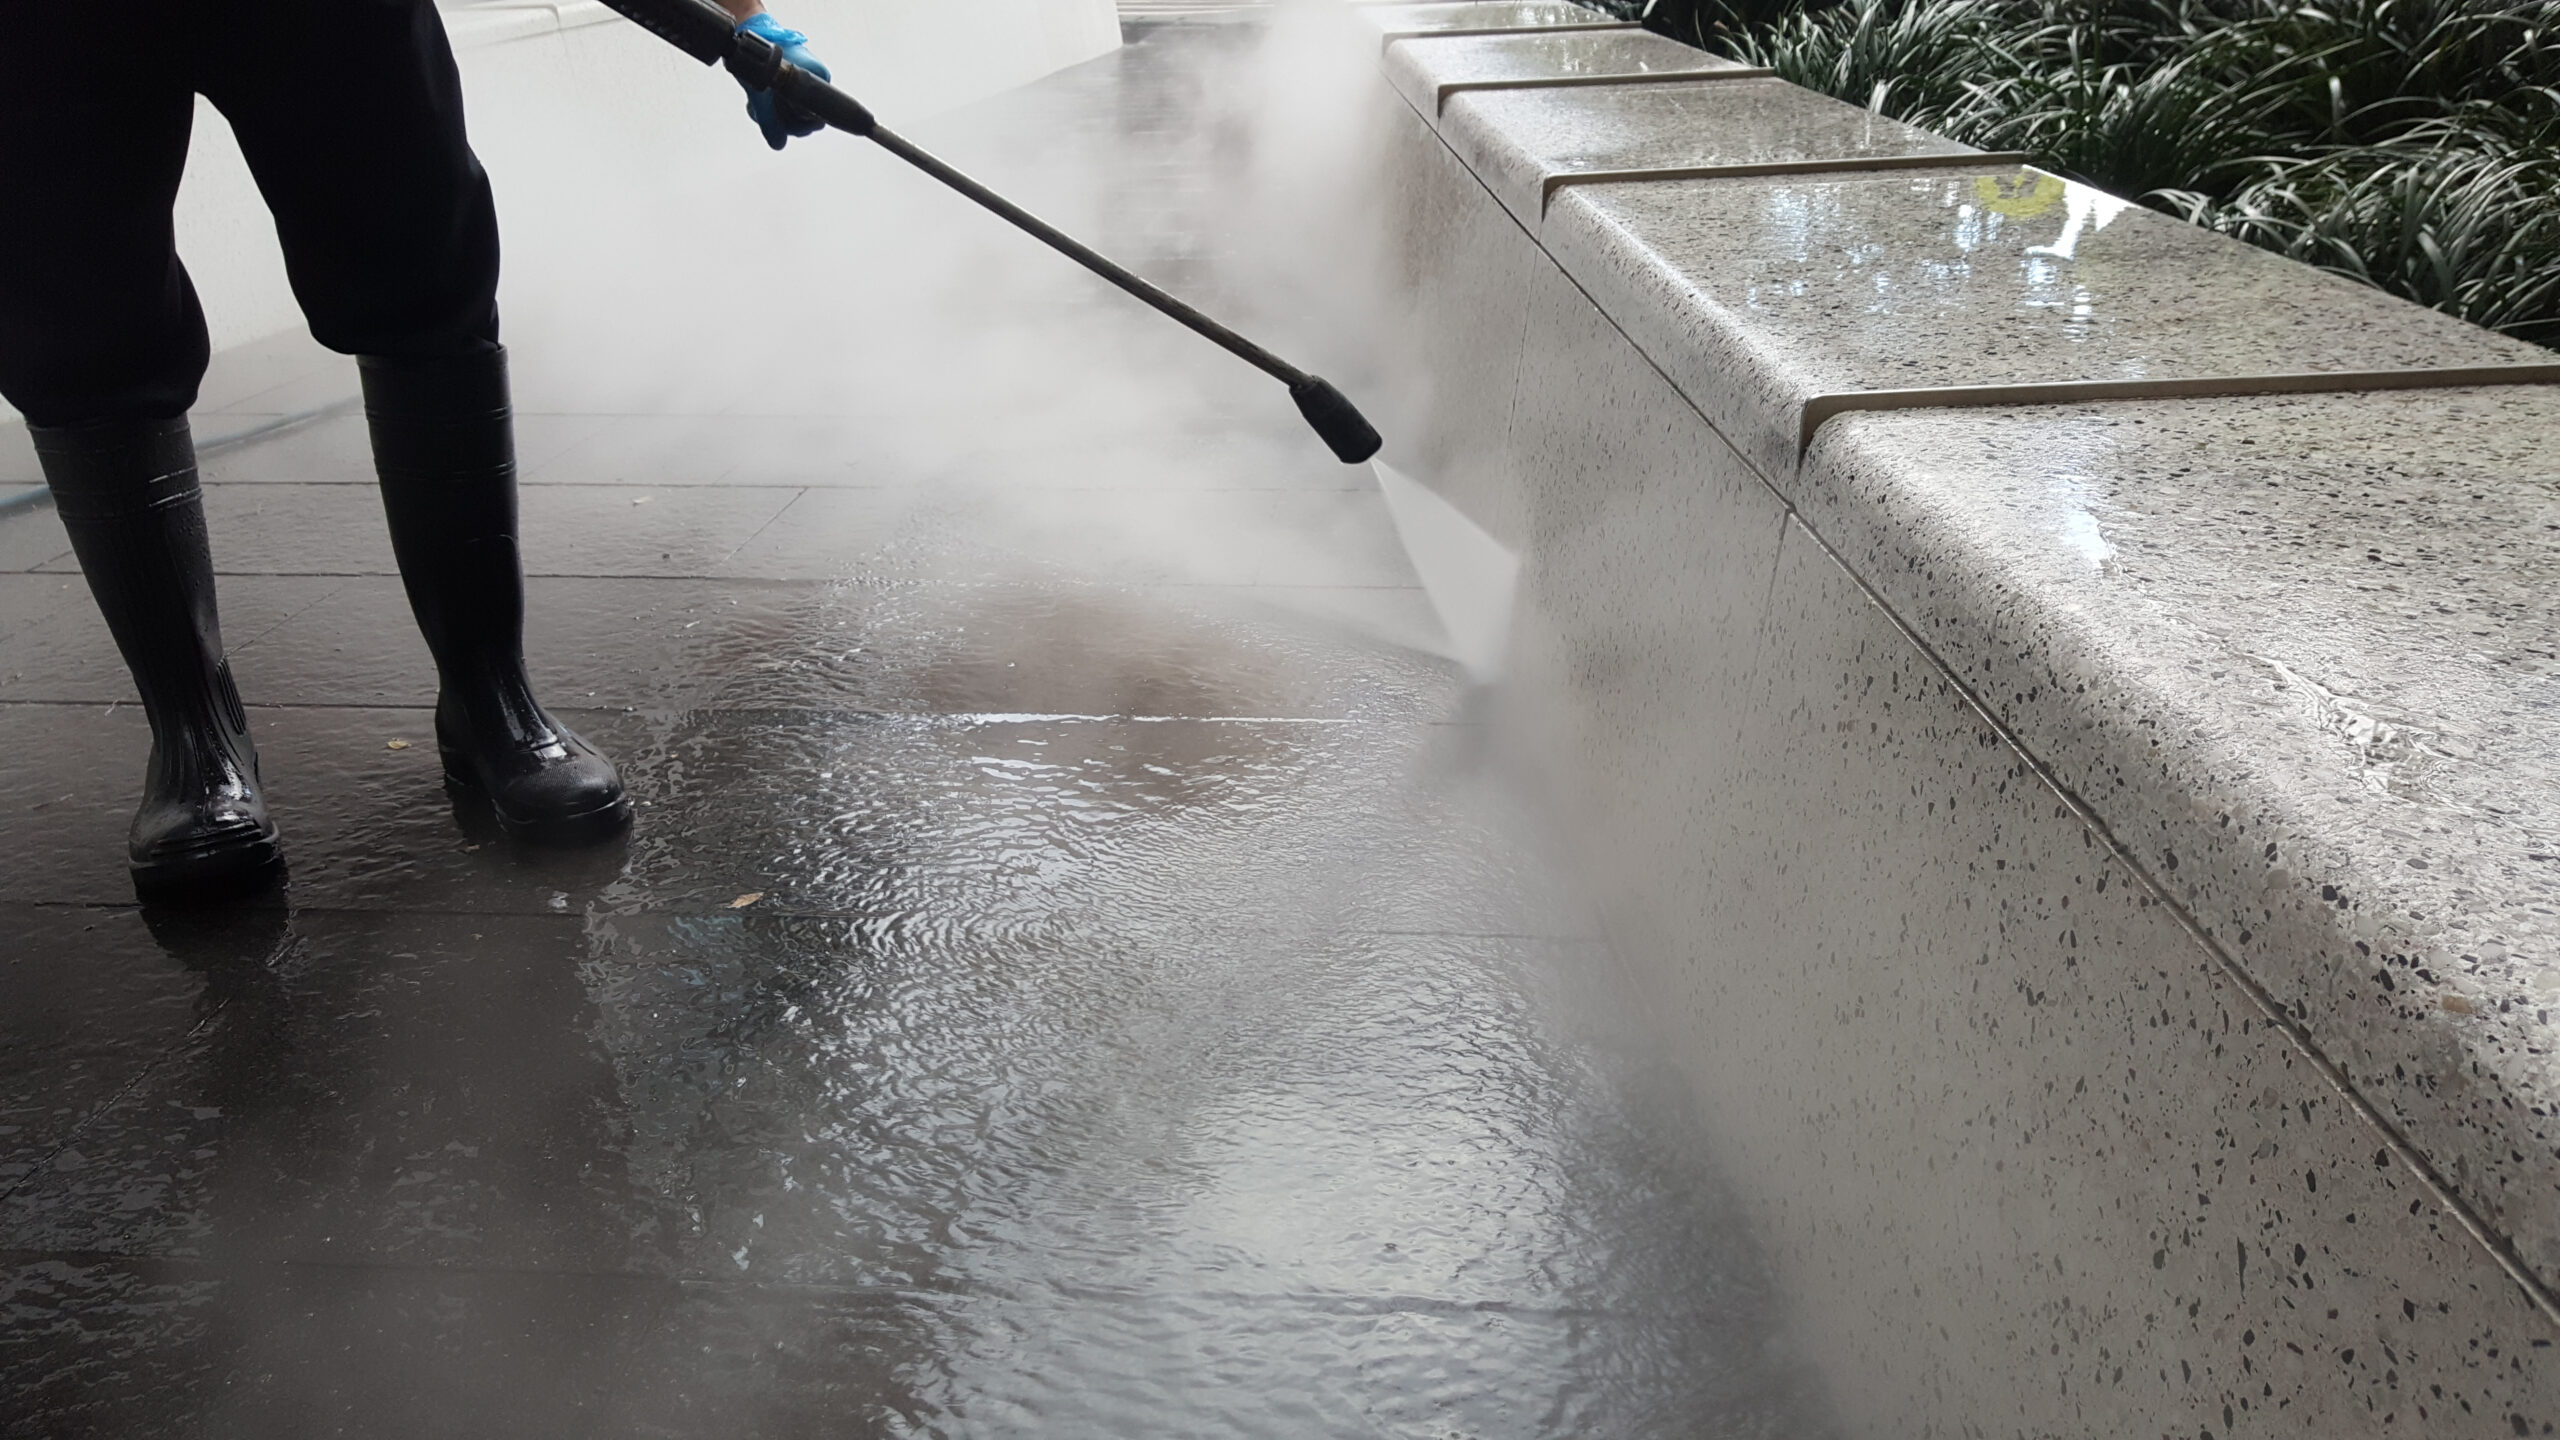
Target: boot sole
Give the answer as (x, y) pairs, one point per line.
(215, 878)
(583, 828)
(602, 823)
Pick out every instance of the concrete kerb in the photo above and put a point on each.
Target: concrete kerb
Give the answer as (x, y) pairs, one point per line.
(1626, 690)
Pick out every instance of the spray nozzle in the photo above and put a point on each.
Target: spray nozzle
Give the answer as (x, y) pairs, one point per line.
(1339, 422)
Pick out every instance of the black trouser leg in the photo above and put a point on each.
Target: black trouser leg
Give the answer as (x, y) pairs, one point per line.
(97, 318)
(127, 494)
(350, 115)
(444, 446)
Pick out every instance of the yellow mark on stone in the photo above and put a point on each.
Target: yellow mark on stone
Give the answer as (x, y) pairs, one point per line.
(2456, 1004)
(2027, 193)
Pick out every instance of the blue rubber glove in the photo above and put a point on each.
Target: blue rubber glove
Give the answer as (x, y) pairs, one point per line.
(778, 122)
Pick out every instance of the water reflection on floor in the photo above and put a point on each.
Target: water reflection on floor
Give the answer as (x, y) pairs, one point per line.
(1052, 989)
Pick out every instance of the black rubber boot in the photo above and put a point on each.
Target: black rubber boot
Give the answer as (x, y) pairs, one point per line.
(444, 445)
(127, 494)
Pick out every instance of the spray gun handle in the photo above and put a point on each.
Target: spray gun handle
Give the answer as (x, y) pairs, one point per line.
(696, 27)
(758, 64)
(705, 32)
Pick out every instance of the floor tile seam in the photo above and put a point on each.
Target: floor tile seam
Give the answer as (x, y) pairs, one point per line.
(693, 577)
(135, 907)
(1273, 585)
(234, 647)
(732, 485)
(65, 602)
(2500, 1249)
(729, 910)
(688, 416)
(786, 507)
(225, 482)
(734, 1286)
(952, 719)
(989, 719)
(290, 423)
(131, 1086)
(1049, 932)
(1373, 1303)
(1534, 937)
(218, 1267)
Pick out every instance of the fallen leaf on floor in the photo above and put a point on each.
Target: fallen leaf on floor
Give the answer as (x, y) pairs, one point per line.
(395, 745)
(743, 901)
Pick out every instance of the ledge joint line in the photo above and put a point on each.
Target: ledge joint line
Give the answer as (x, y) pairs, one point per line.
(1440, 100)
(1820, 408)
(1577, 27)
(1830, 165)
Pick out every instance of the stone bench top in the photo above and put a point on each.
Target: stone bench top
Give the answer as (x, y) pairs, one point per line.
(1426, 68)
(1394, 20)
(2298, 655)
(1758, 294)
(1519, 142)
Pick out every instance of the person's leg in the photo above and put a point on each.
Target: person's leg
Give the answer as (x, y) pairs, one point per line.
(102, 346)
(442, 445)
(97, 318)
(350, 114)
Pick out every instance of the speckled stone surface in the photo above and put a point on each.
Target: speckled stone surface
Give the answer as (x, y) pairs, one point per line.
(1754, 294)
(2030, 1164)
(2300, 655)
(1646, 546)
(1477, 15)
(1461, 278)
(1419, 67)
(1515, 139)
(2036, 1169)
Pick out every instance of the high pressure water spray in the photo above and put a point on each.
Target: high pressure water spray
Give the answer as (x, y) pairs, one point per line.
(705, 32)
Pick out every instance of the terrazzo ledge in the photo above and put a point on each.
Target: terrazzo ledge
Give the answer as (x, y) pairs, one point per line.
(2291, 658)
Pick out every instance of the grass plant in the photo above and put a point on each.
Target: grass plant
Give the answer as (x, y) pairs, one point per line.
(2410, 144)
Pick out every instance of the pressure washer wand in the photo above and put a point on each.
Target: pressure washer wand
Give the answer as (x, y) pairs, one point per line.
(705, 32)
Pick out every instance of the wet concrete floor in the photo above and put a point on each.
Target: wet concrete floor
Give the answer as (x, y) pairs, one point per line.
(1078, 970)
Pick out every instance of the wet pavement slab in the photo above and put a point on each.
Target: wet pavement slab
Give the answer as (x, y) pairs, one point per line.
(1077, 969)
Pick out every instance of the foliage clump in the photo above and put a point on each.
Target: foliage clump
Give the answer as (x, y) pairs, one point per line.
(2411, 144)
